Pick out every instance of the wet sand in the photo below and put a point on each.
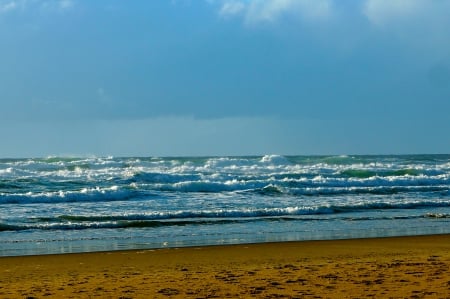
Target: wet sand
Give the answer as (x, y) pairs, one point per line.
(403, 267)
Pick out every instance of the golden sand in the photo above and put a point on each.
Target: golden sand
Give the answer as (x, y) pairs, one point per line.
(404, 267)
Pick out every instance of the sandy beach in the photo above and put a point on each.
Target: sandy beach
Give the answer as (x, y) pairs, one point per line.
(400, 267)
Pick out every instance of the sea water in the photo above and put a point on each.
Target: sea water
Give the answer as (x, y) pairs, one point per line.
(63, 205)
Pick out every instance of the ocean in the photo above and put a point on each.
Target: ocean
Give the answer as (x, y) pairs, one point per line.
(64, 205)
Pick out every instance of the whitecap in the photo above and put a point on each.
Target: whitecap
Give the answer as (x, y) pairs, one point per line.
(275, 160)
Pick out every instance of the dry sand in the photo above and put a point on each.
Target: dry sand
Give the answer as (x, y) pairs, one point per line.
(405, 267)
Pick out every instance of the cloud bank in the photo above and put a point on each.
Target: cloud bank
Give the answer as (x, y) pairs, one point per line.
(420, 24)
(378, 12)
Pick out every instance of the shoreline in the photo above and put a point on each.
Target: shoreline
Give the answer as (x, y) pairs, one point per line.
(152, 249)
(78, 247)
(413, 266)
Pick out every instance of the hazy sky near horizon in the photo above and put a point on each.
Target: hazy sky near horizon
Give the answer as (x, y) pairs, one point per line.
(224, 77)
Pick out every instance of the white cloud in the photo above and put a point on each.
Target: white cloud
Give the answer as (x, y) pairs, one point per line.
(232, 8)
(381, 12)
(422, 24)
(66, 4)
(260, 11)
(387, 12)
(13, 5)
(60, 5)
(7, 6)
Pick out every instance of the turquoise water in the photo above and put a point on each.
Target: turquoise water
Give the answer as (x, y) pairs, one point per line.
(61, 205)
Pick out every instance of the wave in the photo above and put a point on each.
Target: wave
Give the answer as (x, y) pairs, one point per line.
(315, 186)
(189, 188)
(55, 179)
(349, 166)
(275, 160)
(121, 224)
(381, 190)
(437, 215)
(223, 216)
(94, 194)
(364, 173)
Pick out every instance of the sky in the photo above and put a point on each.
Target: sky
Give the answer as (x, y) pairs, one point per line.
(224, 77)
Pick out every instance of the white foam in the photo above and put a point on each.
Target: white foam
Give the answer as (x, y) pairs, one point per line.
(6, 171)
(275, 160)
(85, 194)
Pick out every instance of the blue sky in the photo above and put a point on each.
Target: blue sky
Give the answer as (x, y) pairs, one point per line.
(224, 77)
